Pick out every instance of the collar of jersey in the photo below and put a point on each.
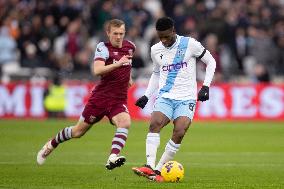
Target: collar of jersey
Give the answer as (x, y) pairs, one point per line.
(177, 39)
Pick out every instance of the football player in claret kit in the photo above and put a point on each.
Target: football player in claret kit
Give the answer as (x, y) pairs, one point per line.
(174, 75)
(112, 62)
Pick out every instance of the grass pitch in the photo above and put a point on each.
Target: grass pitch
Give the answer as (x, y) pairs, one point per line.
(214, 155)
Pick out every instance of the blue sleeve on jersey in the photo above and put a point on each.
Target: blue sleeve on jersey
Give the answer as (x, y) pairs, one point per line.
(101, 51)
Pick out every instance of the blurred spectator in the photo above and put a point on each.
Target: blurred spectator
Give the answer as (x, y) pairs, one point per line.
(189, 28)
(261, 47)
(261, 73)
(50, 30)
(73, 43)
(54, 98)
(211, 44)
(83, 59)
(31, 60)
(142, 17)
(169, 6)
(279, 40)
(141, 44)
(179, 16)
(8, 53)
(104, 14)
(241, 46)
(137, 64)
(280, 55)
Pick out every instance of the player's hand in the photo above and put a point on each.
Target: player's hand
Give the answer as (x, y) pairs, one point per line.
(203, 94)
(124, 60)
(142, 101)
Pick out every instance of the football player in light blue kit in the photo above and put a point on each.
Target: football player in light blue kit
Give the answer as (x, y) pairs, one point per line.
(174, 74)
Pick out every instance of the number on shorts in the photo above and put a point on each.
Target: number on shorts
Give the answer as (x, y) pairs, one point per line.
(191, 106)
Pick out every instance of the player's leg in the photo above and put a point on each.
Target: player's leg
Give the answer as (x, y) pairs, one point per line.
(159, 118)
(158, 121)
(181, 125)
(64, 135)
(88, 118)
(120, 117)
(183, 114)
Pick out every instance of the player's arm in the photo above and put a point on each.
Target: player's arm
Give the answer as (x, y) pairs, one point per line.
(101, 55)
(210, 62)
(206, 57)
(131, 82)
(100, 68)
(152, 85)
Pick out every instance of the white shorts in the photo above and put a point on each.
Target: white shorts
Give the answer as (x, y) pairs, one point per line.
(175, 108)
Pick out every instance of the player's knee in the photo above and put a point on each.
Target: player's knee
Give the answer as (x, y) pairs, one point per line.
(155, 126)
(123, 124)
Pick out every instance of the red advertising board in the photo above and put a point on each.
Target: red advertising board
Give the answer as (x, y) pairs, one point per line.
(227, 101)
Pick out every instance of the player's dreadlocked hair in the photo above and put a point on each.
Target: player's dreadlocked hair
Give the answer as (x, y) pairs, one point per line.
(164, 23)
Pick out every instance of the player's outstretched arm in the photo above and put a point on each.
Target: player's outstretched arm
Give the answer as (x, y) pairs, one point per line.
(210, 68)
(100, 68)
(210, 62)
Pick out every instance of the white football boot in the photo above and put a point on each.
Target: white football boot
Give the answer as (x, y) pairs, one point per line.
(44, 152)
(115, 161)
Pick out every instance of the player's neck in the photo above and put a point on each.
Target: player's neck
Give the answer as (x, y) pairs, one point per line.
(173, 42)
(116, 45)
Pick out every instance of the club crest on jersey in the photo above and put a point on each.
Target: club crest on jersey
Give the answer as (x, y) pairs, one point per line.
(180, 52)
(130, 52)
(174, 67)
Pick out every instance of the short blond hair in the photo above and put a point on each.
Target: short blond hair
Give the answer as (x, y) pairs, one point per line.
(114, 23)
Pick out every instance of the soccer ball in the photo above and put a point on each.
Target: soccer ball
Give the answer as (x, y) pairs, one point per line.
(172, 171)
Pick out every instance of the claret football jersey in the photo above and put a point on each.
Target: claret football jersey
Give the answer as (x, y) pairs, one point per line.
(113, 85)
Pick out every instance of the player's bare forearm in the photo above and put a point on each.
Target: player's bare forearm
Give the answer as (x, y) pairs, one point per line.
(100, 68)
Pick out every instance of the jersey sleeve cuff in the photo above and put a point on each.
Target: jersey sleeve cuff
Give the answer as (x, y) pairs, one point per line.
(102, 59)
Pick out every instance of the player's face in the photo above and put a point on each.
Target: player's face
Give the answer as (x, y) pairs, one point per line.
(116, 35)
(167, 37)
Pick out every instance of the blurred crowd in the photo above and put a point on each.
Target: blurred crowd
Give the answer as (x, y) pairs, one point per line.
(43, 38)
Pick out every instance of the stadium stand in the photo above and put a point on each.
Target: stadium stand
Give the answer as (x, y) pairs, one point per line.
(40, 38)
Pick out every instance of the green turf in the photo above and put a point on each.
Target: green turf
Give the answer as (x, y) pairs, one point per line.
(214, 154)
